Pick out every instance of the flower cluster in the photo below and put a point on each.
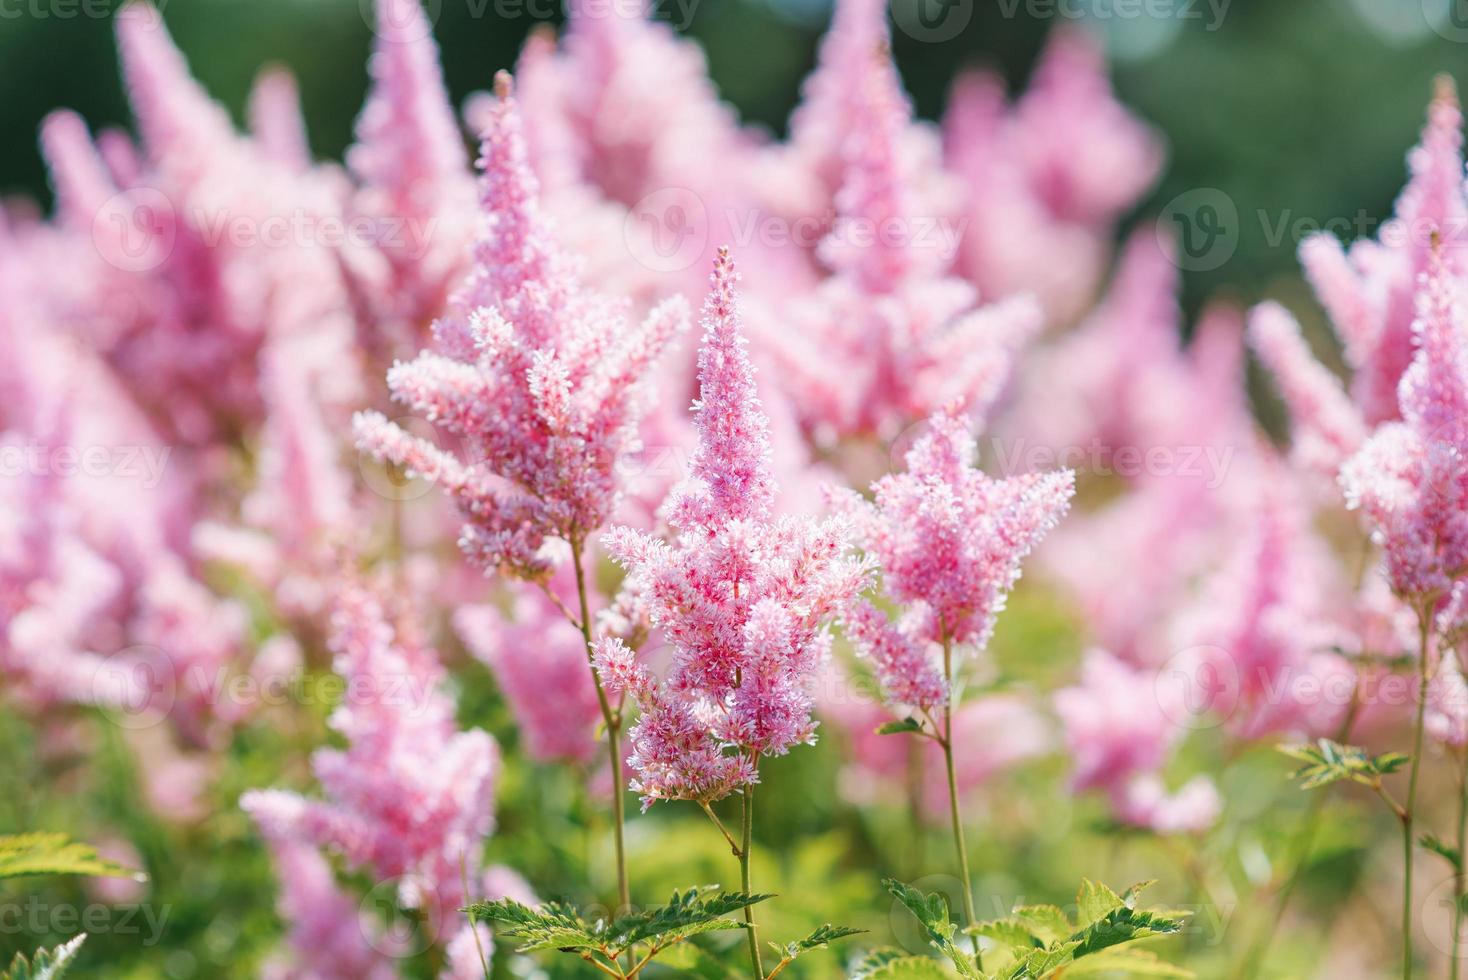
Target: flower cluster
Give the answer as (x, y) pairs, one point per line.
(742, 596)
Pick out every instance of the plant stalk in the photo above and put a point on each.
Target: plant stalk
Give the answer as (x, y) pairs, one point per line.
(953, 809)
(1460, 881)
(752, 932)
(613, 723)
(1424, 617)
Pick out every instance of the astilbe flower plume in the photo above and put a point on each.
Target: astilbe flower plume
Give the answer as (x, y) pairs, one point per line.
(1121, 724)
(193, 278)
(410, 798)
(949, 540)
(741, 595)
(888, 338)
(1410, 480)
(1370, 291)
(539, 661)
(541, 379)
(1046, 178)
(413, 174)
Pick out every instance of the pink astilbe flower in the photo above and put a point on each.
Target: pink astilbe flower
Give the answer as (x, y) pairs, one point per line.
(1263, 625)
(743, 597)
(1046, 179)
(1447, 704)
(276, 122)
(539, 661)
(1146, 802)
(1327, 428)
(1410, 480)
(329, 936)
(542, 380)
(1121, 724)
(1370, 291)
(888, 339)
(410, 798)
(412, 166)
(208, 262)
(950, 539)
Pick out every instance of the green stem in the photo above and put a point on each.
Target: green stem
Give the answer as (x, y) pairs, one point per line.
(1424, 617)
(1460, 884)
(1304, 843)
(953, 810)
(752, 932)
(614, 737)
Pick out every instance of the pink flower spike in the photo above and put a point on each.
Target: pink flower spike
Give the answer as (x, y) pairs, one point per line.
(744, 597)
(539, 377)
(276, 121)
(1327, 427)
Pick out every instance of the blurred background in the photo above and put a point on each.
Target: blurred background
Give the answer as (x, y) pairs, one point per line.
(1300, 112)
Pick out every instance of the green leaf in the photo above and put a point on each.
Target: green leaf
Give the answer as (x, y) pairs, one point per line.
(1046, 923)
(820, 939)
(894, 964)
(1442, 848)
(56, 854)
(557, 926)
(1010, 933)
(1125, 962)
(1123, 925)
(1327, 762)
(932, 912)
(1094, 901)
(904, 726)
(46, 964)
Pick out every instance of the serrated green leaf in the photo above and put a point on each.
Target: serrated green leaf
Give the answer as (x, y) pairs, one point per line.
(46, 964)
(1443, 849)
(56, 854)
(894, 964)
(932, 912)
(821, 938)
(1093, 901)
(557, 926)
(1048, 923)
(1010, 933)
(1123, 925)
(905, 726)
(1125, 962)
(1327, 762)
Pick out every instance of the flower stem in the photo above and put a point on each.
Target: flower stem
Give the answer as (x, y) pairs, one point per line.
(614, 737)
(1460, 882)
(1304, 843)
(1424, 617)
(744, 848)
(953, 810)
